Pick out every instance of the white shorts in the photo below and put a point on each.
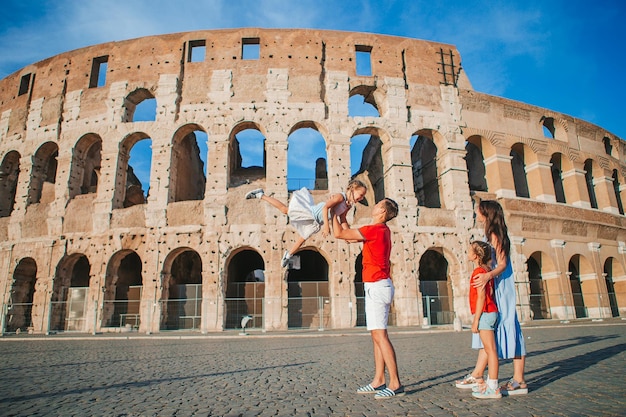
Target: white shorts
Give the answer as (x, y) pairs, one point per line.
(378, 297)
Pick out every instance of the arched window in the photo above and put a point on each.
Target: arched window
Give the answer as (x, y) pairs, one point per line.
(366, 159)
(85, 169)
(589, 181)
(188, 165)
(548, 127)
(9, 172)
(140, 106)
(557, 177)
(306, 160)
(519, 171)
(247, 155)
(43, 174)
(617, 188)
(362, 102)
(475, 162)
(425, 175)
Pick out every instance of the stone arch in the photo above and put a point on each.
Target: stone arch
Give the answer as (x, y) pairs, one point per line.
(554, 128)
(582, 284)
(181, 294)
(43, 174)
(22, 293)
(357, 108)
(617, 189)
(592, 169)
(308, 289)
(85, 166)
(424, 163)
(543, 281)
(475, 163)
(436, 286)
(237, 173)
(306, 158)
(123, 287)
(9, 173)
(519, 155)
(128, 188)
(556, 168)
(615, 278)
(244, 289)
(372, 166)
(70, 292)
(187, 178)
(134, 99)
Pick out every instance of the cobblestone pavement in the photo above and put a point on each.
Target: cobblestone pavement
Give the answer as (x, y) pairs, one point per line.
(572, 370)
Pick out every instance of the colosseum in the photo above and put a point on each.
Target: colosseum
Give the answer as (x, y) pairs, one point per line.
(88, 246)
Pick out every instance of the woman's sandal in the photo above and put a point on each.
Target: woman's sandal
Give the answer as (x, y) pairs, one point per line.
(512, 387)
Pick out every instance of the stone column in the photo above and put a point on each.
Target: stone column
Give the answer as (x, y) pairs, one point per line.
(499, 174)
(539, 177)
(559, 289)
(594, 286)
(21, 198)
(605, 192)
(575, 186)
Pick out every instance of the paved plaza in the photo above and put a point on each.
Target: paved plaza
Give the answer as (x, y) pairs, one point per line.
(572, 369)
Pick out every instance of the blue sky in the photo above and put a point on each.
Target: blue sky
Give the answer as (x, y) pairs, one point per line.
(564, 55)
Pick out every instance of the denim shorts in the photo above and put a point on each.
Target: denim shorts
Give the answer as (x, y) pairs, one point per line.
(378, 297)
(488, 321)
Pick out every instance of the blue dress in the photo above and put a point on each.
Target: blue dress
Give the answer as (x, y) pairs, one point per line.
(509, 337)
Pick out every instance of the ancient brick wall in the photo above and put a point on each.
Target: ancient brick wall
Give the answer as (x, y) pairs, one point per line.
(69, 197)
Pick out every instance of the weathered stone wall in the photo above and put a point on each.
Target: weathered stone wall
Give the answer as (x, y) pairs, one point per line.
(302, 78)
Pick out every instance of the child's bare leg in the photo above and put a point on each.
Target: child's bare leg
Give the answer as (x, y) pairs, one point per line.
(297, 245)
(276, 203)
(489, 342)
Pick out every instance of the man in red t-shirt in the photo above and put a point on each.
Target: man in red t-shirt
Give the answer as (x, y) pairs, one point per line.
(379, 290)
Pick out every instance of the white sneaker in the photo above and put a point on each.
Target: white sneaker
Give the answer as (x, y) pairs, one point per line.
(285, 260)
(258, 193)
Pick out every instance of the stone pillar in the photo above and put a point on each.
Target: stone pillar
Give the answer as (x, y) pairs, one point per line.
(499, 174)
(594, 286)
(539, 177)
(605, 192)
(575, 186)
(217, 178)
(21, 198)
(61, 193)
(156, 208)
(619, 282)
(559, 289)
(110, 193)
(520, 273)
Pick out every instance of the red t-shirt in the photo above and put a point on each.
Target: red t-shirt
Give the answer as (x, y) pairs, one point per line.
(490, 303)
(376, 252)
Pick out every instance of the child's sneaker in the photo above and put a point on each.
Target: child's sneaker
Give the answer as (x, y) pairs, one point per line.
(488, 392)
(468, 382)
(258, 193)
(285, 260)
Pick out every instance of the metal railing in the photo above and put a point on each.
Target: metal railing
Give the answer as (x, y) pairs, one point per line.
(303, 312)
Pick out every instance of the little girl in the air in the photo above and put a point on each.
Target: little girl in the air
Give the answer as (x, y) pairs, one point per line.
(485, 310)
(307, 217)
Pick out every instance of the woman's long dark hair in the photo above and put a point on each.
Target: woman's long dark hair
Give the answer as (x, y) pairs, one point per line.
(495, 224)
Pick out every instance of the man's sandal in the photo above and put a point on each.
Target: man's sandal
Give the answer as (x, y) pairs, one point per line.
(369, 389)
(388, 393)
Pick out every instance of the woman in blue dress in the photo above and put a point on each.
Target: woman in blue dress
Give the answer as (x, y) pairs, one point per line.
(509, 338)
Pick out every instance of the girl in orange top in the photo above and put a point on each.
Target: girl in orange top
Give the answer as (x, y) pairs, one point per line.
(485, 310)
